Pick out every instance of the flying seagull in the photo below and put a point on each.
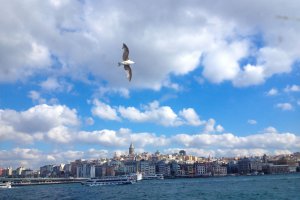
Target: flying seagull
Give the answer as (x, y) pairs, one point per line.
(126, 62)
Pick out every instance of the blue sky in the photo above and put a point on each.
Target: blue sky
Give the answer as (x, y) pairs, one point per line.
(213, 79)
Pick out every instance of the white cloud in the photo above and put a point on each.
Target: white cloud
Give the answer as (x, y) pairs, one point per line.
(293, 88)
(284, 106)
(37, 122)
(267, 141)
(252, 121)
(34, 158)
(211, 127)
(274, 61)
(104, 137)
(40, 118)
(163, 115)
(203, 144)
(221, 63)
(36, 97)
(104, 111)
(272, 92)
(251, 75)
(183, 37)
(190, 116)
(60, 134)
(50, 84)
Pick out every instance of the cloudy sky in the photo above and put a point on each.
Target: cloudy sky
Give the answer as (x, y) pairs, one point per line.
(218, 79)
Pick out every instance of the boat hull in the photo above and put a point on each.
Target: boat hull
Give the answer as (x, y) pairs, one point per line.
(124, 180)
(5, 185)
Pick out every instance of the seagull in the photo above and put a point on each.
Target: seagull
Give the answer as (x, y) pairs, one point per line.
(126, 62)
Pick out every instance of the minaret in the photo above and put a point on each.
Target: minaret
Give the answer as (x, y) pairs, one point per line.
(131, 149)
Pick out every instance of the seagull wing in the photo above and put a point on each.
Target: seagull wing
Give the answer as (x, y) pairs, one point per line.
(126, 52)
(129, 72)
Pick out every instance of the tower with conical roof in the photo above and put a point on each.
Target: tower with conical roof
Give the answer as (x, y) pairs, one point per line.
(131, 149)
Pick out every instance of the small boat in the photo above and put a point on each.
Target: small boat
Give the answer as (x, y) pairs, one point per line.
(5, 185)
(138, 176)
(155, 176)
(110, 180)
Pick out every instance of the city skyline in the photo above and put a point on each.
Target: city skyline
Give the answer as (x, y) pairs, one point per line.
(217, 79)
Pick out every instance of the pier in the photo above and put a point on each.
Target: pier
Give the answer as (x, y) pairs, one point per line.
(41, 181)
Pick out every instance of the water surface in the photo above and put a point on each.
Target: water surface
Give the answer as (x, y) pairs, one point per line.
(234, 188)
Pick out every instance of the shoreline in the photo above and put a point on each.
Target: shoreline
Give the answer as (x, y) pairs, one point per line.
(20, 182)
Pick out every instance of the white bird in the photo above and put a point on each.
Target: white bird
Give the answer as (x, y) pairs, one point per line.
(126, 62)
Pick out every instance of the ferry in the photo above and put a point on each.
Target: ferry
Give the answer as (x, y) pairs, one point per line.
(110, 180)
(5, 185)
(155, 176)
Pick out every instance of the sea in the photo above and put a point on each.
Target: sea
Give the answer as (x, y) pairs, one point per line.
(265, 187)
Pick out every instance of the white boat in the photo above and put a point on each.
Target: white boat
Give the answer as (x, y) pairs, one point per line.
(138, 176)
(155, 176)
(110, 180)
(5, 185)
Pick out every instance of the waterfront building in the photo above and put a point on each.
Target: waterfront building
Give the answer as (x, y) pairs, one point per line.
(110, 171)
(58, 170)
(147, 168)
(86, 170)
(144, 167)
(164, 168)
(152, 168)
(130, 166)
(219, 170)
(201, 169)
(18, 171)
(232, 167)
(2, 172)
(99, 171)
(175, 168)
(67, 170)
(27, 173)
(249, 165)
(9, 171)
(46, 170)
(275, 169)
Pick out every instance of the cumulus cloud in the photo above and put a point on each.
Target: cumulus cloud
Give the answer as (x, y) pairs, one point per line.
(34, 158)
(284, 106)
(190, 116)
(152, 112)
(222, 62)
(121, 138)
(272, 92)
(179, 39)
(267, 140)
(270, 141)
(211, 127)
(104, 111)
(293, 88)
(163, 115)
(250, 75)
(37, 122)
